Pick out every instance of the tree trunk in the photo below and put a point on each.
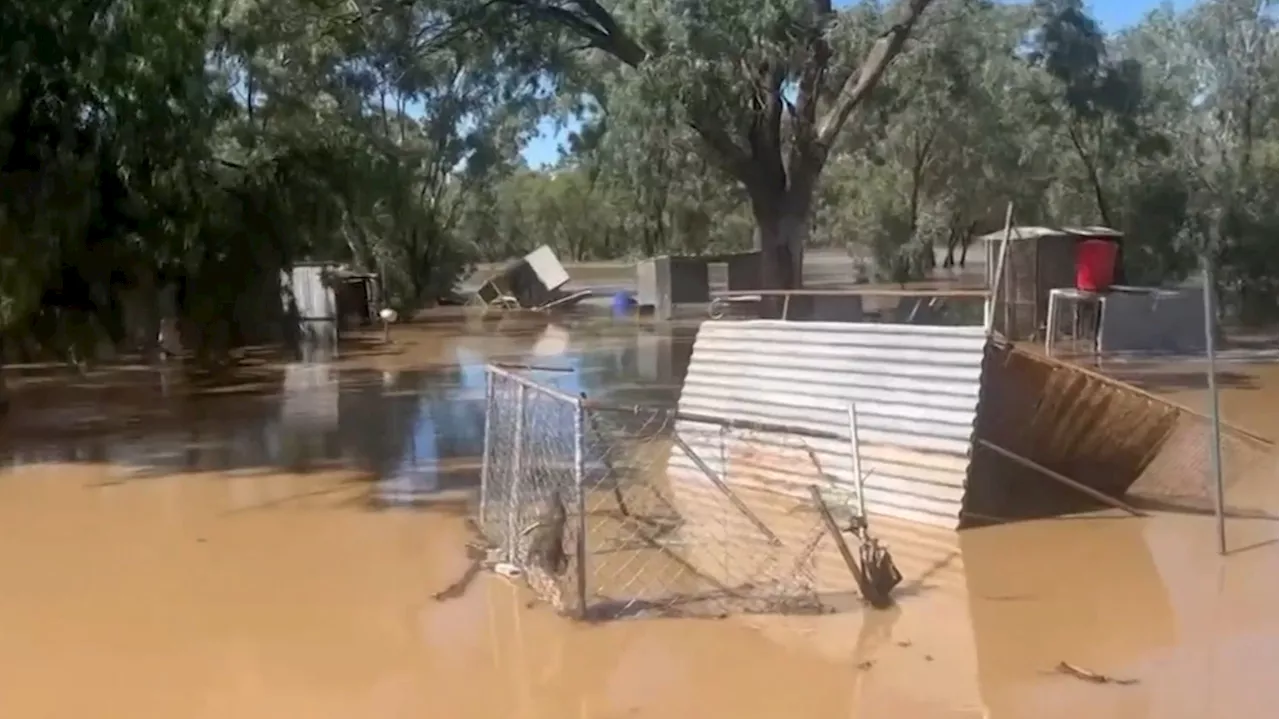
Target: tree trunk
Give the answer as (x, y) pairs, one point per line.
(782, 229)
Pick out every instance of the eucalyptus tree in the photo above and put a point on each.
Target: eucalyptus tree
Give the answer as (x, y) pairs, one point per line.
(933, 159)
(1229, 143)
(211, 143)
(767, 87)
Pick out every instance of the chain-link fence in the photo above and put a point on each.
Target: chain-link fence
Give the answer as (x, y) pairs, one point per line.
(610, 511)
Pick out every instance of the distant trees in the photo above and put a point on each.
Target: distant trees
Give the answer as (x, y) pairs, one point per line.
(142, 141)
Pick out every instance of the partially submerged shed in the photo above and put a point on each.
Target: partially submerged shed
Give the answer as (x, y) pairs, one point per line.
(668, 280)
(310, 302)
(322, 298)
(1039, 259)
(935, 407)
(532, 281)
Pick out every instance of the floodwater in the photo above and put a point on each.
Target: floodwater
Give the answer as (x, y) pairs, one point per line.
(272, 551)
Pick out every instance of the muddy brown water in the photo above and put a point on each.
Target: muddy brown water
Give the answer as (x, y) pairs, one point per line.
(274, 554)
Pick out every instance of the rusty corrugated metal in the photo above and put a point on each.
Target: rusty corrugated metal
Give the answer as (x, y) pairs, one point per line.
(915, 387)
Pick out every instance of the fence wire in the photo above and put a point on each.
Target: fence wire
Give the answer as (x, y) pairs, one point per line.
(654, 521)
(530, 500)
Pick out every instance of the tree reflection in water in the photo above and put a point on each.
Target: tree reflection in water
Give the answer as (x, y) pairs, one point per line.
(417, 432)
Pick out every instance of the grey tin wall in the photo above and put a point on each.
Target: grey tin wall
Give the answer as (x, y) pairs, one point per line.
(915, 387)
(314, 299)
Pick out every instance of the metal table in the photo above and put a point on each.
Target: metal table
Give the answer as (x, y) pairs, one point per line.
(1076, 298)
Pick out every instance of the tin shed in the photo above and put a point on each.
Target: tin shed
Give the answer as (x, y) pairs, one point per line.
(310, 302)
(1039, 259)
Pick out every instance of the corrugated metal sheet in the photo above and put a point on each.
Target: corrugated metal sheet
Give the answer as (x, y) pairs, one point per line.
(314, 299)
(916, 390)
(548, 268)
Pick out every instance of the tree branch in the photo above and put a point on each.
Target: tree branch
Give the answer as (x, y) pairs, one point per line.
(1094, 178)
(861, 83)
(590, 20)
(764, 131)
(731, 155)
(809, 89)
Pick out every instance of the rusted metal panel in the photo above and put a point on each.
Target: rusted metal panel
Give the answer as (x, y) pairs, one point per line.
(1102, 432)
(915, 388)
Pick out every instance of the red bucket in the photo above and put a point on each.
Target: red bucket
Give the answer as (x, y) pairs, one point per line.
(1096, 264)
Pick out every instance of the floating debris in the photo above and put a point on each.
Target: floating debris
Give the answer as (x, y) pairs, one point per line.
(507, 570)
(1083, 674)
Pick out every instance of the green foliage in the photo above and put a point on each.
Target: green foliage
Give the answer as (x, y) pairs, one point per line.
(1164, 131)
(210, 143)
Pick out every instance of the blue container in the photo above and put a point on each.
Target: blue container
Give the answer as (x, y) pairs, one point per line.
(622, 303)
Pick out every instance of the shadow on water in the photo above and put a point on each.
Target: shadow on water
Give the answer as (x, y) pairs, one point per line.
(416, 431)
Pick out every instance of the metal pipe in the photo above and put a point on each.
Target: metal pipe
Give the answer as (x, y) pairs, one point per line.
(1215, 419)
(484, 456)
(1061, 478)
(993, 301)
(530, 384)
(531, 367)
(856, 292)
(845, 553)
(517, 460)
(598, 406)
(579, 486)
(734, 499)
(744, 424)
(857, 462)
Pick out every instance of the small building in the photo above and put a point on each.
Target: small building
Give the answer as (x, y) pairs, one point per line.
(1039, 259)
(532, 281)
(668, 280)
(321, 299)
(356, 297)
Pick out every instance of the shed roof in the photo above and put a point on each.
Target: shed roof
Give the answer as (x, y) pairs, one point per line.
(1031, 232)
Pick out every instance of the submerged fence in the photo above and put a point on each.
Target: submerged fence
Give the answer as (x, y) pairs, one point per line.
(579, 496)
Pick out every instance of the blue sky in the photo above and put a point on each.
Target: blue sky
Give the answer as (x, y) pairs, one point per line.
(1114, 15)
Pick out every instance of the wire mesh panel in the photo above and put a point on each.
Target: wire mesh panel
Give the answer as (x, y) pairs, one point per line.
(609, 512)
(678, 533)
(530, 504)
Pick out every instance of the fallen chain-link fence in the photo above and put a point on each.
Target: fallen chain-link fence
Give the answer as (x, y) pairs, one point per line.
(621, 511)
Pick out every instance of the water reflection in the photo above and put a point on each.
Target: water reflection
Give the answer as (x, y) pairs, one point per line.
(419, 432)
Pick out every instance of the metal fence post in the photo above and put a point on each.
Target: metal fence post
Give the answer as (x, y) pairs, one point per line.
(993, 298)
(1215, 439)
(517, 470)
(856, 452)
(484, 456)
(579, 430)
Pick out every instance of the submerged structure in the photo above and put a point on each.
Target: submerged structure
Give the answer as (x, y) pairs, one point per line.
(954, 427)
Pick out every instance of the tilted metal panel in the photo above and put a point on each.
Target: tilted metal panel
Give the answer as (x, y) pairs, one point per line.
(915, 388)
(547, 267)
